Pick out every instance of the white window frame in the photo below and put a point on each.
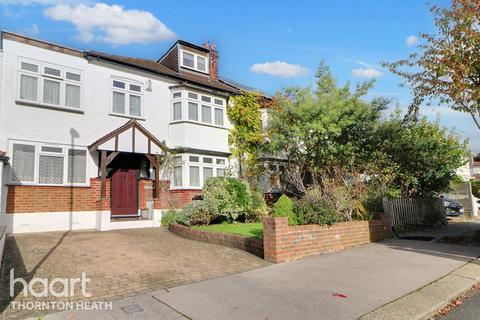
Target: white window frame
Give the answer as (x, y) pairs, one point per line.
(195, 61)
(127, 92)
(38, 152)
(186, 164)
(41, 77)
(185, 99)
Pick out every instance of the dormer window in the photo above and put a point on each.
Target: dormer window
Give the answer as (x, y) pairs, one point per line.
(194, 61)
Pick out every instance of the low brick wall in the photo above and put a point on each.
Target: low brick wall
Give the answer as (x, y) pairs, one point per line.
(287, 243)
(252, 245)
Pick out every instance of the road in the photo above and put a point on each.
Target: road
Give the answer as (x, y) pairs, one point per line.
(469, 310)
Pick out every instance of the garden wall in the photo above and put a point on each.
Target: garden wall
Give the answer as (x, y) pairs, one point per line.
(284, 243)
(252, 245)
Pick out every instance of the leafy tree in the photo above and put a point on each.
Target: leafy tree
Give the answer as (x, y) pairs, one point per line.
(447, 67)
(245, 137)
(423, 155)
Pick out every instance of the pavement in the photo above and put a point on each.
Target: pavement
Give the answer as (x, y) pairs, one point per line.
(344, 285)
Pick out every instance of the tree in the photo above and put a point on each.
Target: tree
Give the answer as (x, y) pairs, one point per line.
(245, 137)
(324, 130)
(447, 68)
(423, 155)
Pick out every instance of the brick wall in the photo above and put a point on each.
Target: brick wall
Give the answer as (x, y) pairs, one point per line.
(26, 199)
(252, 245)
(283, 243)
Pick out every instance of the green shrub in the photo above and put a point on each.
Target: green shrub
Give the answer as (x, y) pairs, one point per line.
(313, 209)
(172, 216)
(201, 212)
(476, 188)
(257, 209)
(284, 208)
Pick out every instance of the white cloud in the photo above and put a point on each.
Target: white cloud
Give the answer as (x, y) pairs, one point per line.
(112, 24)
(411, 41)
(280, 69)
(367, 73)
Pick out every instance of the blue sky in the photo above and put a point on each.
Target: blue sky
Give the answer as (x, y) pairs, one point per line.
(265, 44)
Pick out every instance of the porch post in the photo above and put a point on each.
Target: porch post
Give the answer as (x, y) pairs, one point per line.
(155, 164)
(103, 174)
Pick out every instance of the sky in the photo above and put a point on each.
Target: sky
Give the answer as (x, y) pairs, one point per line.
(268, 45)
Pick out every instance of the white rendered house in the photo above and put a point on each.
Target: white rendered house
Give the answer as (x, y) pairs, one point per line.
(84, 134)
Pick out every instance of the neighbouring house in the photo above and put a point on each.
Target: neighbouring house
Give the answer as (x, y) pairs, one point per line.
(87, 134)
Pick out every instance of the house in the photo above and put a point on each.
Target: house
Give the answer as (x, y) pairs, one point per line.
(91, 138)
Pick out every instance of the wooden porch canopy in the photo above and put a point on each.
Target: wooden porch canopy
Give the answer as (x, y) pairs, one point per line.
(133, 138)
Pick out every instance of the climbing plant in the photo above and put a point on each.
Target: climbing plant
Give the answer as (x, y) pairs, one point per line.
(245, 137)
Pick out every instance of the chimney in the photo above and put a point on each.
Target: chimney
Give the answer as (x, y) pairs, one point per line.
(213, 61)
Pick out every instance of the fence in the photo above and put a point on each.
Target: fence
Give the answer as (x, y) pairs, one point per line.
(406, 211)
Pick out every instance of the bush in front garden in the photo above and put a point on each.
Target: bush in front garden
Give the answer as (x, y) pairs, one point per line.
(226, 199)
(175, 216)
(284, 208)
(312, 209)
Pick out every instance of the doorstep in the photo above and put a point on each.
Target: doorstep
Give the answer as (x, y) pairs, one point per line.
(118, 224)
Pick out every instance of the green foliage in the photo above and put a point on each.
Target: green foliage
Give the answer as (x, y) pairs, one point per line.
(245, 137)
(445, 68)
(226, 199)
(243, 229)
(313, 209)
(284, 208)
(173, 216)
(476, 188)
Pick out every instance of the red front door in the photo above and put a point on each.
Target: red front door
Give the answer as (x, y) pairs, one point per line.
(124, 189)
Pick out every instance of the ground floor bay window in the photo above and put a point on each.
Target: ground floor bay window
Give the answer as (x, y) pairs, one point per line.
(190, 171)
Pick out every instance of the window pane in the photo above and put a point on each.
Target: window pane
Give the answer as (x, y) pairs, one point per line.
(50, 169)
(220, 172)
(29, 88)
(177, 160)
(188, 60)
(29, 67)
(221, 162)
(207, 160)
(134, 87)
(219, 117)
(206, 114)
(77, 166)
(135, 105)
(72, 96)
(219, 102)
(52, 149)
(177, 176)
(206, 99)
(192, 111)
(177, 111)
(177, 95)
(73, 76)
(194, 176)
(23, 163)
(51, 92)
(201, 63)
(118, 102)
(194, 159)
(119, 84)
(207, 173)
(192, 95)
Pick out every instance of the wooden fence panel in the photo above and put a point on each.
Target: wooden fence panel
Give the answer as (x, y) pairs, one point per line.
(406, 211)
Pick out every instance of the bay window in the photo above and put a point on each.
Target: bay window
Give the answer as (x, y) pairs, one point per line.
(198, 108)
(49, 85)
(191, 171)
(36, 163)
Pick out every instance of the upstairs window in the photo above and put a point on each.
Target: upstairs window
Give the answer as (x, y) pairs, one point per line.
(127, 98)
(194, 61)
(195, 107)
(49, 85)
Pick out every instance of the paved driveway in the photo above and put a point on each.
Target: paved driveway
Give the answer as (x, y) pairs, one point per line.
(119, 263)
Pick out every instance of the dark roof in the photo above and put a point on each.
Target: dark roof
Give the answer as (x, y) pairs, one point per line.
(155, 67)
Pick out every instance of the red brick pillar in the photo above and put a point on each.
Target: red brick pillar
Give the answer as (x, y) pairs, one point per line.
(274, 229)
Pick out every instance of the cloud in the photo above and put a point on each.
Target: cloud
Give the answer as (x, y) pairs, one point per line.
(411, 41)
(111, 24)
(280, 69)
(367, 73)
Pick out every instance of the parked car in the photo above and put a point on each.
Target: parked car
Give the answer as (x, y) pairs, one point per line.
(452, 207)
